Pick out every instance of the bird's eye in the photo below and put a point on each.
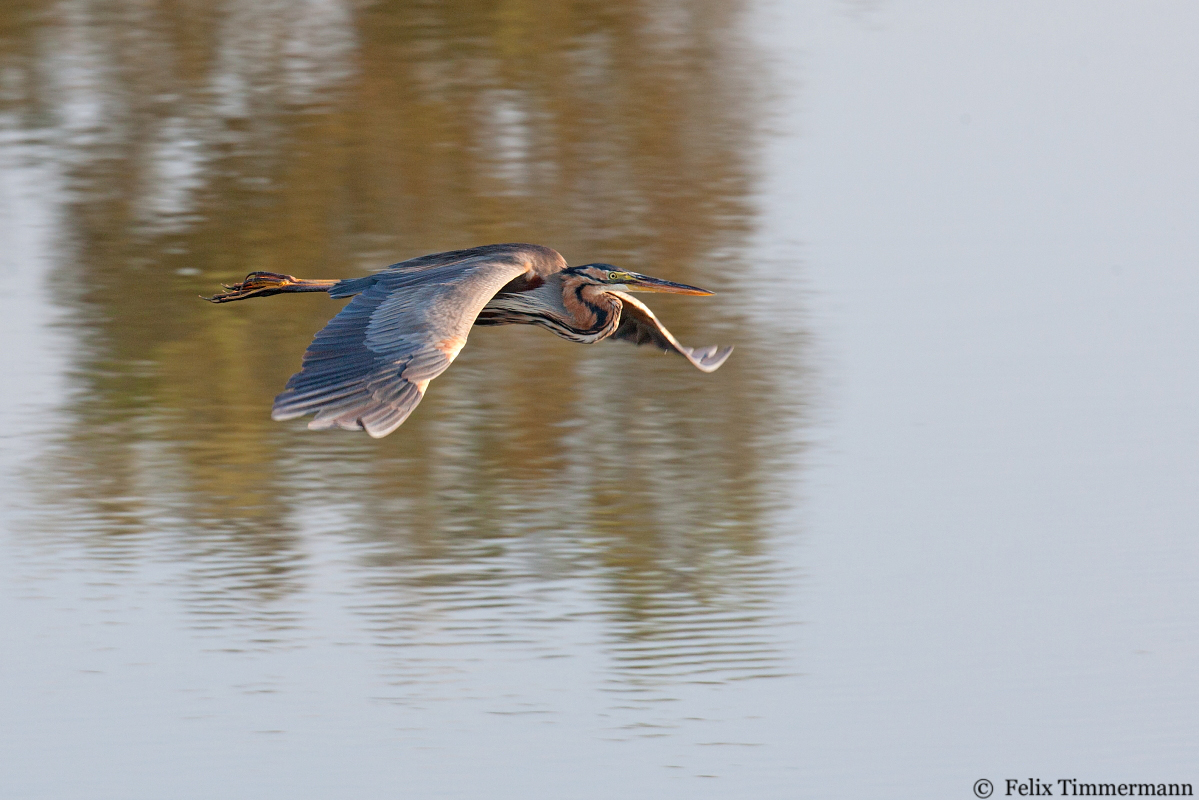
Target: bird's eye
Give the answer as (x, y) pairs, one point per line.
(614, 275)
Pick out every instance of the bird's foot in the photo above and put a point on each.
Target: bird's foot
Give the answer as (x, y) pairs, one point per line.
(256, 284)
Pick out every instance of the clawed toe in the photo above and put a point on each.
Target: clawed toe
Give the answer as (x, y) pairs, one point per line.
(256, 284)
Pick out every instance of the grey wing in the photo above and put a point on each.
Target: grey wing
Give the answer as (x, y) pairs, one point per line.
(639, 326)
(368, 368)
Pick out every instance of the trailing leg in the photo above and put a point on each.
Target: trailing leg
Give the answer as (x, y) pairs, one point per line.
(264, 284)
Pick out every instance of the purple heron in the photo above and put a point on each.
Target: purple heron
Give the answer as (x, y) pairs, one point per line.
(369, 367)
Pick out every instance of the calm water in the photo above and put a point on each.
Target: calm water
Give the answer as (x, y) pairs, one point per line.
(934, 521)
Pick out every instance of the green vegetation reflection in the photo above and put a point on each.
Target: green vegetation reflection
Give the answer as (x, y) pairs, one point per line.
(199, 141)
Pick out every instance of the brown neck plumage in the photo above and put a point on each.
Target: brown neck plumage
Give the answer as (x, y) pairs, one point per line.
(571, 308)
(596, 312)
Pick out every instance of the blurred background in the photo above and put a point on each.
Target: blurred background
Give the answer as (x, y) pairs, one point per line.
(946, 484)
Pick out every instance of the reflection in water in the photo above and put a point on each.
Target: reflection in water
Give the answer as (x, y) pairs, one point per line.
(324, 138)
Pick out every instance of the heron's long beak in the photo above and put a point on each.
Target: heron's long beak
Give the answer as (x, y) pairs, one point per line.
(644, 283)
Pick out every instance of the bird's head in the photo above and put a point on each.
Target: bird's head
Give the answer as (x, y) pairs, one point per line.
(624, 281)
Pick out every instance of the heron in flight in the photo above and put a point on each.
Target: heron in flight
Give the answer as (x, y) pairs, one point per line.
(369, 367)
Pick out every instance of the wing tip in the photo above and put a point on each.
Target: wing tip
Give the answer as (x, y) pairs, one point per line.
(282, 415)
(378, 416)
(711, 358)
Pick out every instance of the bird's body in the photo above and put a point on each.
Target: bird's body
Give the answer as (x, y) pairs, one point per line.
(369, 367)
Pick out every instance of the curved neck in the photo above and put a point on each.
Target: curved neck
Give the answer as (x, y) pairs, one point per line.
(594, 313)
(580, 312)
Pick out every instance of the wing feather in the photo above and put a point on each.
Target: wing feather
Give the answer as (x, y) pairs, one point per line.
(368, 368)
(639, 326)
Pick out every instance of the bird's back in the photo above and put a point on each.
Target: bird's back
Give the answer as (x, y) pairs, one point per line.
(539, 262)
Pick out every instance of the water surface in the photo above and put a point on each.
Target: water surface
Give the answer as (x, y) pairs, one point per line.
(932, 522)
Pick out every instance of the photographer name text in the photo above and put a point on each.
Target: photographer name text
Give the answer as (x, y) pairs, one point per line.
(1070, 787)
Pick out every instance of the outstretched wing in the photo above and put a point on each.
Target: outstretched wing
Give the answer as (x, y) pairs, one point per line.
(639, 326)
(368, 368)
